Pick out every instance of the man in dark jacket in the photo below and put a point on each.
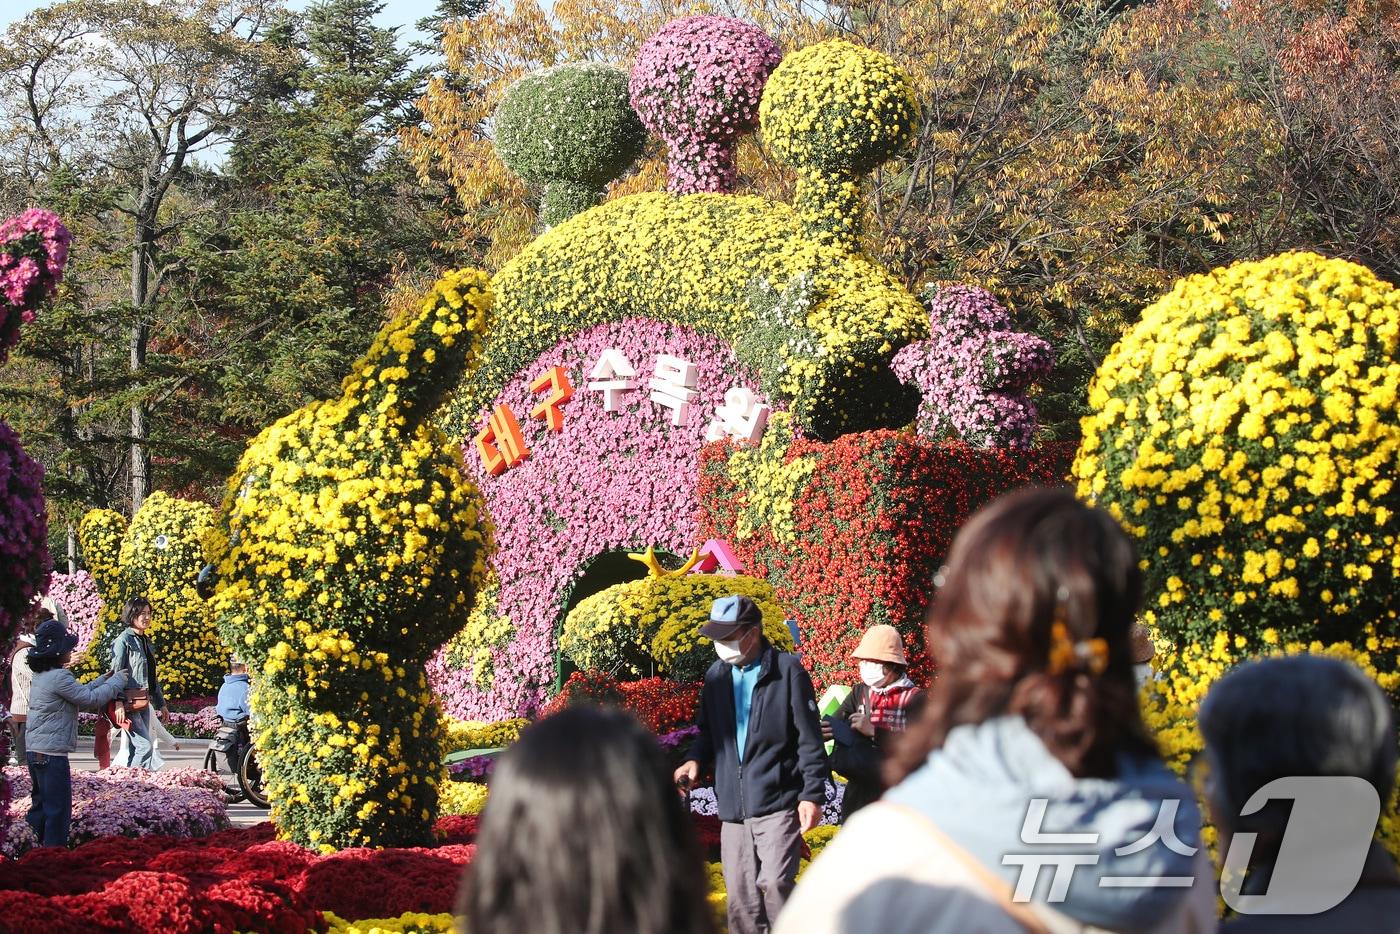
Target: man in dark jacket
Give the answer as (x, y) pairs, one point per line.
(759, 730)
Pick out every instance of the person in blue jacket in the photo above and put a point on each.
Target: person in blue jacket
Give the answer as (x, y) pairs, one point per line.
(232, 707)
(760, 732)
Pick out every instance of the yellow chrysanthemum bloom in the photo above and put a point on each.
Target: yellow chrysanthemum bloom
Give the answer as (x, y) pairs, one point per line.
(1250, 419)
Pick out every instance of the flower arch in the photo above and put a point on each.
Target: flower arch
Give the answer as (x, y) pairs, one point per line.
(606, 482)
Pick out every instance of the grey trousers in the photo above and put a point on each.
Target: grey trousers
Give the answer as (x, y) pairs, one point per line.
(759, 858)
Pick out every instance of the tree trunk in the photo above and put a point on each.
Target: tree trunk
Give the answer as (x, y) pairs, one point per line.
(140, 336)
(72, 549)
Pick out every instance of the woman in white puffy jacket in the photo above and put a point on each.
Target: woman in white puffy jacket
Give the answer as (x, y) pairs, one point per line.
(1028, 795)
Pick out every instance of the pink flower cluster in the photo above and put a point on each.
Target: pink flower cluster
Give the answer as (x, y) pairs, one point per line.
(128, 803)
(609, 481)
(33, 252)
(77, 594)
(974, 370)
(697, 84)
(24, 531)
(200, 724)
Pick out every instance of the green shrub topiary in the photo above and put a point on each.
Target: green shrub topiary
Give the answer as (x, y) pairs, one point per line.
(569, 130)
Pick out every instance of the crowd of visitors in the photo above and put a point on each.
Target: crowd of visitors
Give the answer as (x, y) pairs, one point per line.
(1022, 792)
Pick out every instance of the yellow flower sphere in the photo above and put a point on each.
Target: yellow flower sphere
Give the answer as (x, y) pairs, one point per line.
(1246, 431)
(833, 112)
(627, 629)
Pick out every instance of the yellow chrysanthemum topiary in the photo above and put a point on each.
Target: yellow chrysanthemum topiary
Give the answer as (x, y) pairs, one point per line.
(349, 549)
(1246, 432)
(833, 112)
(158, 556)
(691, 261)
(1171, 700)
(655, 621)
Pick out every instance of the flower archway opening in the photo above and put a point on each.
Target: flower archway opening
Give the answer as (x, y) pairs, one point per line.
(607, 569)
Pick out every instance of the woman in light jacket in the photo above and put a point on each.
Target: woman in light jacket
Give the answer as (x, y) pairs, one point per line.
(132, 651)
(1029, 778)
(52, 734)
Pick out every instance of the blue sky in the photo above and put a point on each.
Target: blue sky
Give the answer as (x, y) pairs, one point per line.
(402, 13)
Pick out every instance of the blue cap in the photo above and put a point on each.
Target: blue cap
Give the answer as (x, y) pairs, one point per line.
(730, 615)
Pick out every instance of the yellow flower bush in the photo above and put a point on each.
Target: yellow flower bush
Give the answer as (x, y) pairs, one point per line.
(624, 629)
(689, 261)
(472, 734)
(349, 549)
(462, 797)
(1184, 678)
(773, 482)
(158, 557)
(833, 112)
(486, 629)
(719, 895)
(412, 923)
(1246, 431)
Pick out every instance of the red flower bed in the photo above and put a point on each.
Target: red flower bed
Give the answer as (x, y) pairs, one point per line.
(872, 525)
(663, 705)
(585, 687)
(234, 880)
(237, 880)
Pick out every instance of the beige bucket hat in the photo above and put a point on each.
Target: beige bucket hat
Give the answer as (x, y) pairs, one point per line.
(881, 644)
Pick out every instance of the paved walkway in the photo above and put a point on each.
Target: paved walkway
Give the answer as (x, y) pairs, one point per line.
(190, 755)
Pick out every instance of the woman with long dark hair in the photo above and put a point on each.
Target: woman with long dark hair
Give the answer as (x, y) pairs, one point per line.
(1028, 794)
(584, 834)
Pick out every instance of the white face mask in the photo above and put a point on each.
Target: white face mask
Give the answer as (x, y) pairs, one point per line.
(730, 650)
(872, 673)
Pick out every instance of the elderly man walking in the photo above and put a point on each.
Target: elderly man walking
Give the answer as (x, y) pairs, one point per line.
(760, 732)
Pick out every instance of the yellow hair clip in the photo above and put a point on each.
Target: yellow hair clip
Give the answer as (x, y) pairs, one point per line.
(1065, 653)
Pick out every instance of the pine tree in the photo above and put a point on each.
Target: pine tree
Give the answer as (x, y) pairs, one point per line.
(322, 211)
